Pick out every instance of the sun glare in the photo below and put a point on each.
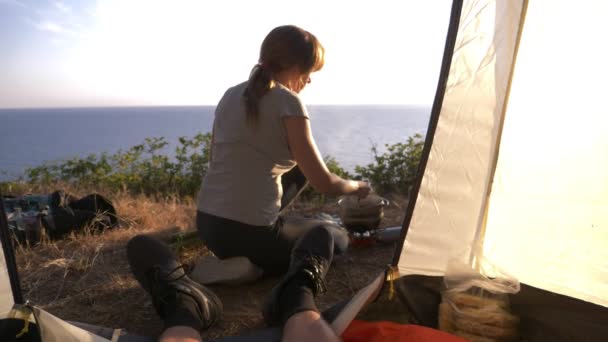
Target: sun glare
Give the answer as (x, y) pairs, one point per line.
(188, 52)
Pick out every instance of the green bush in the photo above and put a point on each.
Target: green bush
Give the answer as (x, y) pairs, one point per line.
(395, 170)
(14, 187)
(144, 168)
(147, 168)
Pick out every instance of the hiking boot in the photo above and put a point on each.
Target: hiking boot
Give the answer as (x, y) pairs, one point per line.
(178, 300)
(310, 260)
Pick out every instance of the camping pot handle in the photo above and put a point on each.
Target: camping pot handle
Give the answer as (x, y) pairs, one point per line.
(383, 203)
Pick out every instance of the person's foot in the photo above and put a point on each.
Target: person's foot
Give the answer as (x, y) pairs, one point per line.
(305, 278)
(231, 271)
(178, 300)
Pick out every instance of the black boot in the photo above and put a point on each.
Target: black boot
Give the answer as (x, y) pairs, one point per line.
(305, 279)
(178, 300)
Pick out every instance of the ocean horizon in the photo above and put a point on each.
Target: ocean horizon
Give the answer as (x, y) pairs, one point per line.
(30, 137)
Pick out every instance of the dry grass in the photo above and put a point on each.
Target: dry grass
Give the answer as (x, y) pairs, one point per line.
(86, 277)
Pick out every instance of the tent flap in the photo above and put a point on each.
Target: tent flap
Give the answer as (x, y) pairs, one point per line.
(517, 166)
(548, 213)
(449, 204)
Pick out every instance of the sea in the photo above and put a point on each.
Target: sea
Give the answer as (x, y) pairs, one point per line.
(31, 137)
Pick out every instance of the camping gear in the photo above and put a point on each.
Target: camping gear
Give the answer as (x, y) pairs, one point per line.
(514, 162)
(71, 214)
(362, 217)
(388, 234)
(33, 215)
(362, 331)
(25, 215)
(475, 306)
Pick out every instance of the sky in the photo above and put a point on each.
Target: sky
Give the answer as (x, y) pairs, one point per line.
(187, 52)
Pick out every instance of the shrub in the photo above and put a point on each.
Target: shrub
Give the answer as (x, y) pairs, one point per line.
(394, 170)
(144, 168)
(147, 168)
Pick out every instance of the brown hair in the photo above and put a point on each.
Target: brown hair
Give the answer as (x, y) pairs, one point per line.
(283, 48)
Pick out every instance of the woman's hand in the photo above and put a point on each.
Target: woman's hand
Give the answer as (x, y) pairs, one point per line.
(306, 154)
(364, 188)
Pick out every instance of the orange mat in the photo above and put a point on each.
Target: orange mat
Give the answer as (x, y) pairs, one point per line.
(362, 331)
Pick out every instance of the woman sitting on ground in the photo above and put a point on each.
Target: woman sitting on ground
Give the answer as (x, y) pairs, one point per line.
(262, 155)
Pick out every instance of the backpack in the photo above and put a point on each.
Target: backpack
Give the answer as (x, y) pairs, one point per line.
(56, 215)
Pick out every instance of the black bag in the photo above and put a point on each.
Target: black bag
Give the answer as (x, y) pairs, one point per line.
(67, 214)
(58, 214)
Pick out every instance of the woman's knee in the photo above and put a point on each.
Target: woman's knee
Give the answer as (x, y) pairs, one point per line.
(338, 235)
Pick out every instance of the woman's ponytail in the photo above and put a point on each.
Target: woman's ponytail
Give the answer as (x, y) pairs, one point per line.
(260, 82)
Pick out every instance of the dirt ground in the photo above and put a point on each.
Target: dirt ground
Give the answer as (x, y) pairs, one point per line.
(86, 278)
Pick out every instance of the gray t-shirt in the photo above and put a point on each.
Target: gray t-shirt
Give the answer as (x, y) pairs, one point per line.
(243, 182)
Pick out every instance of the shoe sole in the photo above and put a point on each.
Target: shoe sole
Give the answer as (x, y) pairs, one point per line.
(207, 300)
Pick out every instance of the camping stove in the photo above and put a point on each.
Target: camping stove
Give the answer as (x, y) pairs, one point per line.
(362, 217)
(362, 239)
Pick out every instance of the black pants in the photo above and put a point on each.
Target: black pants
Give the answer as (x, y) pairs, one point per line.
(268, 247)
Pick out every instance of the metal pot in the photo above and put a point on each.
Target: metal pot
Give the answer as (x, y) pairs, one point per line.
(361, 215)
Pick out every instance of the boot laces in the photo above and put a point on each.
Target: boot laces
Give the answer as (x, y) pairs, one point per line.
(313, 267)
(161, 284)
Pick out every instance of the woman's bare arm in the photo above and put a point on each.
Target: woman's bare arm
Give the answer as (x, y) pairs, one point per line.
(306, 154)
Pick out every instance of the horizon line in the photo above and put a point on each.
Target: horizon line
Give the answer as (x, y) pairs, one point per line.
(206, 105)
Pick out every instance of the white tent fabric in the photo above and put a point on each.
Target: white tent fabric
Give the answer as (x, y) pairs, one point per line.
(450, 203)
(358, 301)
(548, 214)
(53, 329)
(6, 293)
(542, 154)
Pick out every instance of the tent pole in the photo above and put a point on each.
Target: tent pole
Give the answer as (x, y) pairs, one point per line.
(448, 52)
(9, 255)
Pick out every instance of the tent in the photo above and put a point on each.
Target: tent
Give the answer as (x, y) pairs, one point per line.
(513, 170)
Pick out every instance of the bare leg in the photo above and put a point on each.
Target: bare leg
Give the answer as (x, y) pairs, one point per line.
(180, 334)
(308, 326)
(291, 302)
